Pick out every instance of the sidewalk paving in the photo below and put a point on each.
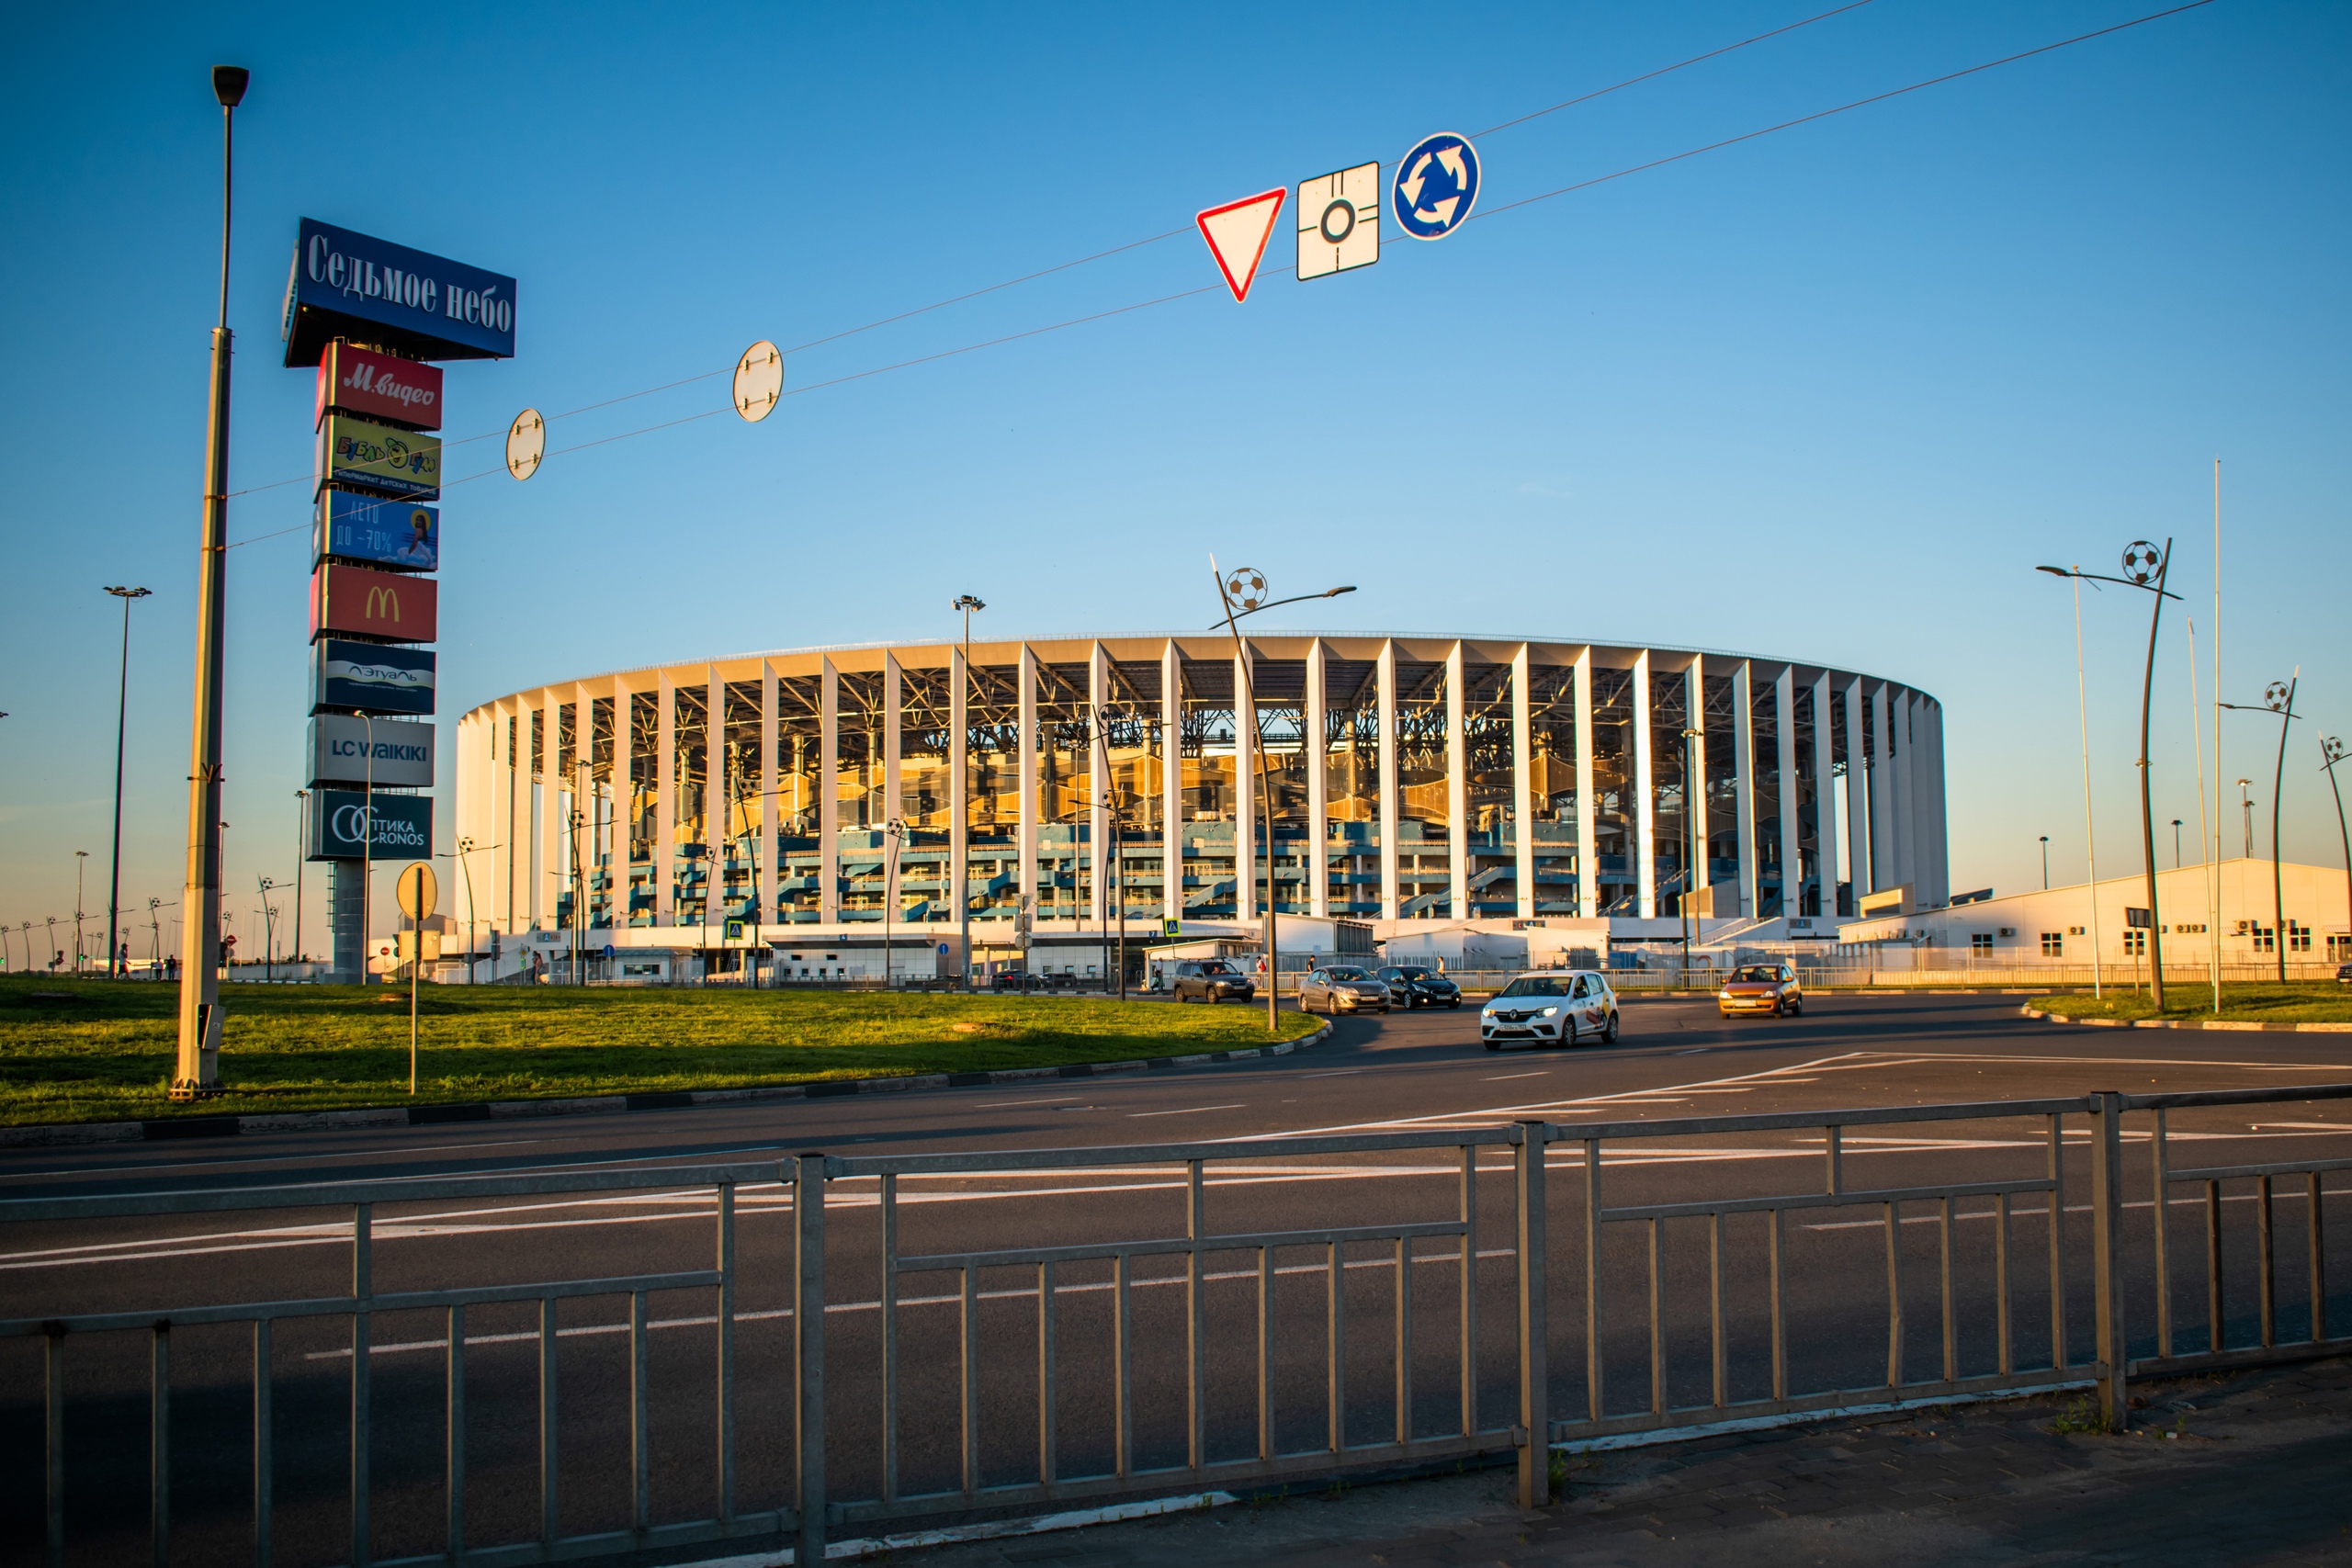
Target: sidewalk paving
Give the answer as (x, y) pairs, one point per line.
(2260, 1473)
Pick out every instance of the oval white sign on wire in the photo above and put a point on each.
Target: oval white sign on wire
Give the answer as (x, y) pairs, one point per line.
(526, 442)
(759, 380)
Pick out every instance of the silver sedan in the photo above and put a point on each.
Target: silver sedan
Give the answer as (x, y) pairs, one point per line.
(1342, 988)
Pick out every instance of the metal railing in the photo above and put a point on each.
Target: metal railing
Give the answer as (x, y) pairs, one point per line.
(1648, 1249)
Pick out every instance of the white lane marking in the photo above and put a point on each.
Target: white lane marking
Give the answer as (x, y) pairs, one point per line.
(1187, 1110)
(1044, 1099)
(1017, 1294)
(1901, 1058)
(270, 1159)
(1332, 1073)
(1695, 1050)
(1498, 1078)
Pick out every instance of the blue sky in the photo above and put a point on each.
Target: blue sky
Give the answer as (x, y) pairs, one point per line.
(1830, 394)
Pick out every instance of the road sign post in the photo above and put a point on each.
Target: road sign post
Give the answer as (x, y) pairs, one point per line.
(417, 893)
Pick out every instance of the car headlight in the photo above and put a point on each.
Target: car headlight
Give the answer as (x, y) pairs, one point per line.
(1550, 1011)
(1725, 995)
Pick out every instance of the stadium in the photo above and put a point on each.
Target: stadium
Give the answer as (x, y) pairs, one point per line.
(806, 799)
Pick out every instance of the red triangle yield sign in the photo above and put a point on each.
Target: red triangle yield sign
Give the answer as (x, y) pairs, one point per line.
(1238, 232)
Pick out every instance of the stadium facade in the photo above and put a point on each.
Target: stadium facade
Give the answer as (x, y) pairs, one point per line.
(1417, 781)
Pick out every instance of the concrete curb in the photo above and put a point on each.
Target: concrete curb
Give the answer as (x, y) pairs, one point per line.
(2189, 1023)
(601, 1105)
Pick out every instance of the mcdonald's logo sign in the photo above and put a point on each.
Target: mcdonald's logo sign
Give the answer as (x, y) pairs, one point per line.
(351, 601)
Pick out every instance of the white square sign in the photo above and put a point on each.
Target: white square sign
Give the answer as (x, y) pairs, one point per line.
(1338, 221)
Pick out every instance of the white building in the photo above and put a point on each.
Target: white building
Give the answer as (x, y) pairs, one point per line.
(1417, 783)
(2069, 925)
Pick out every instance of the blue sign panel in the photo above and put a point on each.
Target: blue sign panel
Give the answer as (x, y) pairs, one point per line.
(398, 536)
(1435, 186)
(419, 306)
(346, 824)
(366, 677)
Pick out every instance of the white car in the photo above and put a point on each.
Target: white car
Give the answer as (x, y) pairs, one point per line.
(1559, 1007)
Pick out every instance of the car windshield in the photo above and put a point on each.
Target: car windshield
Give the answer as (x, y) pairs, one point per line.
(1214, 968)
(1533, 985)
(1408, 973)
(1346, 974)
(1757, 972)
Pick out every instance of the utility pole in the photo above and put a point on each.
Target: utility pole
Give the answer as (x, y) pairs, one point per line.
(196, 1073)
(960, 874)
(121, 711)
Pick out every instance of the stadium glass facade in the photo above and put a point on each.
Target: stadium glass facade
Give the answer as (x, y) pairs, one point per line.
(1414, 781)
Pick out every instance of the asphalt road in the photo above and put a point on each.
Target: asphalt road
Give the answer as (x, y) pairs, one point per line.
(1420, 1072)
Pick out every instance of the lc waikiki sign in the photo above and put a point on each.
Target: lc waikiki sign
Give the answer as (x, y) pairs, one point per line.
(351, 601)
(350, 286)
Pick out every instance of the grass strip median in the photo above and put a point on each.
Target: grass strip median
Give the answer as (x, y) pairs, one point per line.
(2322, 1001)
(95, 1051)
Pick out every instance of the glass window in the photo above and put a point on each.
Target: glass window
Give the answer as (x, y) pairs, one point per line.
(1552, 784)
(1670, 715)
(800, 746)
(1423, 811)
(1208, 789)
(1533, 985)
(1764, 718)
(1615, 878)
(1351, 784)
(1132, 721)
(1065, 786)
(1720, 695)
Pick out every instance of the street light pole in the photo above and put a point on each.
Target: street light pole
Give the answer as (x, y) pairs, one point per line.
(2246, 809)
(81, 858)
(121, 711)
(960, 831)
(196, 1073)
(301, 838)
(894, 832)
(2175, 843)
(2331, 749)
(2278, 697)
(2045, 862)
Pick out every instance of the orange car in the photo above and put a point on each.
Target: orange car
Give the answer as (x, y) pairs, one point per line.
(1761, 987)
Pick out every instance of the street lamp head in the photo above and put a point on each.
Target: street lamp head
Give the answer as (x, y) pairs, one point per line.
(967, 602)
(129, 592)
(1335, 593)
(229, 84)
(2142, 561)
(2054, 571)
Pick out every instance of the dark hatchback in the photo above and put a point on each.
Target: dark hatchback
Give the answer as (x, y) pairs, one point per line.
(1422, 988)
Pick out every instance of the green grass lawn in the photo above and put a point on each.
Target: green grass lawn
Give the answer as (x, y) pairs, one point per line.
(107, 1053)
(2319, 1001)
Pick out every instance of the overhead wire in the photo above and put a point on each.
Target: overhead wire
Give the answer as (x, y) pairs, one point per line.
(1082, 260)
(1210, 289)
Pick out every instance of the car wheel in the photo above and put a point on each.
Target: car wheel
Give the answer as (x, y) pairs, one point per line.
(1609, 1030)
(1796, 1009)
(1569, 1034)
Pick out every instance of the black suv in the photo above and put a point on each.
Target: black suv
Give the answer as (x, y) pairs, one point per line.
(1422, 988)
(1211, 980)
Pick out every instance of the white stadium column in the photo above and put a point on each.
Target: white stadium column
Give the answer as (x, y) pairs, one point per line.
(1826, 856)
(1886, 869)
(1939, 829)
(548, 885)
(1025, 767)
(771, 786)
(623, 823)
(714, 794)
(1784, 765)
(1588, 809)
(1914, 776)
(1743, 729)
(1644, 795)
(1697, 843)
(1098, 791)
(1316, 861)
(829, 757)
(1245, 787)
(1458, 794)
(1858, 805)
(499, 893)
(1172, 782)
(1522, 794)
(587, 803)
(665, 806)
(959, 740)
(1388, 814)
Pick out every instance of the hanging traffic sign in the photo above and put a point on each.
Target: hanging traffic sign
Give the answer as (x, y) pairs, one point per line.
(1238, 232)
(1435, 186)
(759, 380)
(1338, 221)
(526, 442)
